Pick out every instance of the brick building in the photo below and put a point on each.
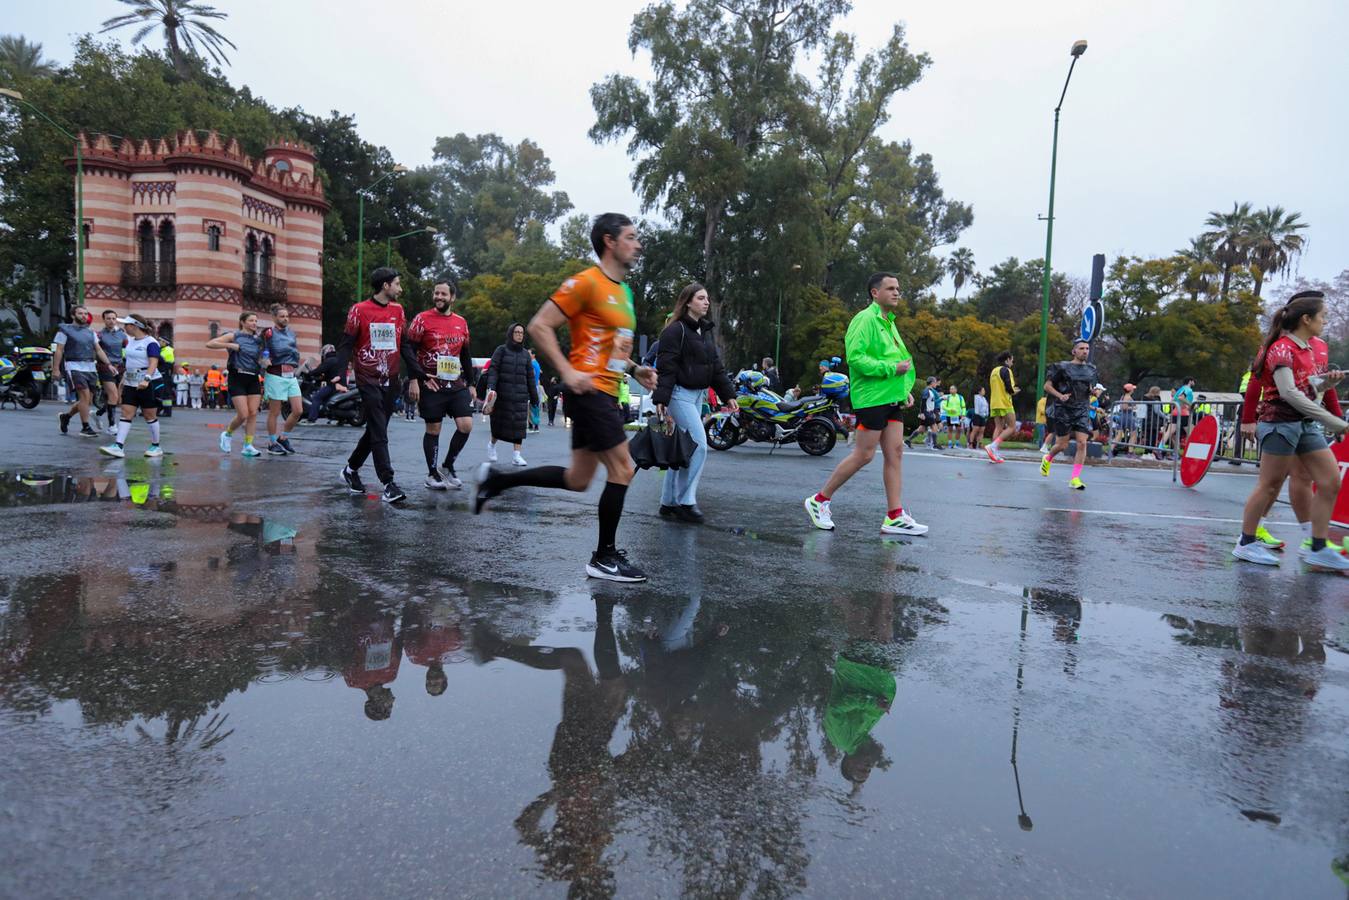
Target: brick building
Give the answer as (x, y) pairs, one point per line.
(189, 232)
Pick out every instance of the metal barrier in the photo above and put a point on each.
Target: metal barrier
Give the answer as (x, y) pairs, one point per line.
(1152, 426)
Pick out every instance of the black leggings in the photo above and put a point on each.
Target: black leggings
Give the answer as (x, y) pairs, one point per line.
(378, 403)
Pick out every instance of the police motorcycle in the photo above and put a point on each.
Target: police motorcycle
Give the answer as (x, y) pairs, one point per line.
(24, 375)
(811, 422)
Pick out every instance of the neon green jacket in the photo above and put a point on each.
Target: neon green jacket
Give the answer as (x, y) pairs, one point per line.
(874, 348)
(953, 406)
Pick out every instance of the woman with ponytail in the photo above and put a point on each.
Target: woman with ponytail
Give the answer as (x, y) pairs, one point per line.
(1291, 429)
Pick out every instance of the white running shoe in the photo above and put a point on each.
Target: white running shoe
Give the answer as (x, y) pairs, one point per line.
(819, 513)
(1257, 553)
(154, 451)
(224, 442)
(1325, 559)
(113, 450)
(518, 460)
(905, 524)
(491, 452)
(250, 451)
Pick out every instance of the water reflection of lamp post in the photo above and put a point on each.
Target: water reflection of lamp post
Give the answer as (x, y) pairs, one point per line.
(388, 242)
(17, 97)
(1023, 820)
(360, 227)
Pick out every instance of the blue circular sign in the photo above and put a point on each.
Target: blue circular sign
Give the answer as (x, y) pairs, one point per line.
(1089, 323)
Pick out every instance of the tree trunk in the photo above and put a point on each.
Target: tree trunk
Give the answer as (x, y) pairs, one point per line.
(176, 53)
(712, 222)
(1227, 279)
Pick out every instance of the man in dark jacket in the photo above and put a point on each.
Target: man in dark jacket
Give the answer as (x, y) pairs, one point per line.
(511, 389)
(686, 366)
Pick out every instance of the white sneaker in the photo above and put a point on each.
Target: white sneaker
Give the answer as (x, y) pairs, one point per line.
(113, 450)
(224, 442)
(819, 513)
(1325, 559)
(154, 451)
(1256, 552)
(905, 524)
(518, 460)
(491, 452)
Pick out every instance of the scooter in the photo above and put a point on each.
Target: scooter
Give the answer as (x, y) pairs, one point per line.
(764, 416)
(23, 375)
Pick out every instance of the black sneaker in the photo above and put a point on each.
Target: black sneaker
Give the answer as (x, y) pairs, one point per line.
(285, 444)
(393, 493)
(482, 489)
(353, 480)
(65, 423)
(668, 512)
(436, 481)
(86, 431)
(613, 565)
(276, 449)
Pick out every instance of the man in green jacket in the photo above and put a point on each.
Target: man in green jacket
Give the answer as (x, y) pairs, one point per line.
(881, 369)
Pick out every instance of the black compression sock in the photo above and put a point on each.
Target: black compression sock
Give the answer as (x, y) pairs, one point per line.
(1318, 544)
(539, 476)
(1247, 539)
(456, 444)
(611, 510)
(430, 447)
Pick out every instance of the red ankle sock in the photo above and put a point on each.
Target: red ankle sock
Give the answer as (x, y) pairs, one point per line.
(896, 512)
(821, 498)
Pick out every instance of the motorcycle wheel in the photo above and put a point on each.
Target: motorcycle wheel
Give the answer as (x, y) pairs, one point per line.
(723, 436)
(817, 437)
(30, 396)
(359, 419)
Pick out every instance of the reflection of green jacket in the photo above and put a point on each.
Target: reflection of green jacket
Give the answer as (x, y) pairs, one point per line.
(874, 347)
(854, 702)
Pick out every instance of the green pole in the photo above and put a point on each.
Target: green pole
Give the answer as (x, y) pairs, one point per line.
(1049, 237)
(388, 251)
(777, 347)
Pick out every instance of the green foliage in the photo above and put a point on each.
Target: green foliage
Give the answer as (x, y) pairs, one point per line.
(1013, 290)
(185, 28)
(22, 60)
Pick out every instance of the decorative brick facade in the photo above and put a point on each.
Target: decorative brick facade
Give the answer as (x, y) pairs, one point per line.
(190, 232)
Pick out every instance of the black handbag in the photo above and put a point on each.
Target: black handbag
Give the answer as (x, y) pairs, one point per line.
(653, 448)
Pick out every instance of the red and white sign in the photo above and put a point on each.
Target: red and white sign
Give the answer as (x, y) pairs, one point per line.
(1198, 452)
(1340, 515)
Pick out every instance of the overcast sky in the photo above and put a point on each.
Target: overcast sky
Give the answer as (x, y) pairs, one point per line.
(1177, 109)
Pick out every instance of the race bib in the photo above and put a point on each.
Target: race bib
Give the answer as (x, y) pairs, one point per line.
(383, 336)
(448, 368)
(133, 377)
(378, 656)
(621, 353)
(287, 371)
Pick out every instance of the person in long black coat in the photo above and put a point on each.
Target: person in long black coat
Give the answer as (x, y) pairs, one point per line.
(510, 391)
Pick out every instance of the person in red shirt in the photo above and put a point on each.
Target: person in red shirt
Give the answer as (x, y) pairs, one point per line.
(438, 339)
(373, 340)
(1291, 429)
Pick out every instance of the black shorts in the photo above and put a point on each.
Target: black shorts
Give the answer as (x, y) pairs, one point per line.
(82, 381)
(244, 384)
(875, 418)
(110, 373)
(1067, 420)
(977, 421)
(448, 401)
(596, 421)
(141, 397)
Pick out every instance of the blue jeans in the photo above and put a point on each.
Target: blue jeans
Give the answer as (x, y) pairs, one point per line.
(681, 485)
(318, 398)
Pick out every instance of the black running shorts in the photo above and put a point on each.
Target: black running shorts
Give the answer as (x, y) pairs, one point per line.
(436, 405)
(875, 418)
(596, 421)
(244, 384)
(1068, 420)
(141, 397)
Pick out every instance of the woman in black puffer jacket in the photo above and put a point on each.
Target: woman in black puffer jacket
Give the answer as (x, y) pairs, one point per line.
(510, 391)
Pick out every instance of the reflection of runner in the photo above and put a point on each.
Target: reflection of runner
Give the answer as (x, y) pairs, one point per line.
(438, 340)
(374, 651)
(858, 697)
(596, 306)
(431, 636)
(1070, 384)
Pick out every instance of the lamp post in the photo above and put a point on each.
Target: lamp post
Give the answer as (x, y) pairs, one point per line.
(17, 97)
(388, 242)
(1079, 47)
(777, 347)
(360, 227)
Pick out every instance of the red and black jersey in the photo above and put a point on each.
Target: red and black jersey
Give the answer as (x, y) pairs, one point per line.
(441, 345)
(1255, 388)
(1287, 353)
(376, 332)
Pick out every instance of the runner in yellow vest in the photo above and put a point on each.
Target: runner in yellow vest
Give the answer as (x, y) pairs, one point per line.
(1001, 389)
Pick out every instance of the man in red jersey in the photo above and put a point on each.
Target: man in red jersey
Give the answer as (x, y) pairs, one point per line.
(372, 340)
(437, 341)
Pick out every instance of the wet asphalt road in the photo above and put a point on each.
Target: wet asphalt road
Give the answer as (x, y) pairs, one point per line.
(223, 676)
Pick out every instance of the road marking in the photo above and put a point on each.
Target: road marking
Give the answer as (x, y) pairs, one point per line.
(1143, 515)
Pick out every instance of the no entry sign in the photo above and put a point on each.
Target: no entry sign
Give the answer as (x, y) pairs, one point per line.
(1340, 516)
(1198, 452)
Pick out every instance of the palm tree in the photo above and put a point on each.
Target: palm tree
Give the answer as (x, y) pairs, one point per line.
(1228, 235)
(960, 266)
(1272, 242)
(184, 27)
(21, 60)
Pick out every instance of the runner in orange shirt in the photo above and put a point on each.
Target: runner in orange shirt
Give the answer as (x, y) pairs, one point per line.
(596, 305)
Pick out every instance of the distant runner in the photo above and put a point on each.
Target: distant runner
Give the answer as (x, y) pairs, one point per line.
(1070, 384)
(1001, 389)
(438, 341)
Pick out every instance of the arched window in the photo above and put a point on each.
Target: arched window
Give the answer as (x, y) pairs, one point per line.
(167, 253)
(145, 240)
(283, 165)
(85, 231)
(266, 262)
(213, 330)
(213, 237)
(251, 254)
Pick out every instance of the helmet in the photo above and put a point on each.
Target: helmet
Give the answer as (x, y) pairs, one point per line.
(826, 364)
(834, 385)
(751, 380)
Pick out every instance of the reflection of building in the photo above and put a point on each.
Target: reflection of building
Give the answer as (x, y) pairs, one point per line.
(190, 232)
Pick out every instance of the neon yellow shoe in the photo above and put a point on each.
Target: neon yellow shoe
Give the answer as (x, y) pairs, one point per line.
(1263, 536)
(1307, 543)
(1044, 467)
(1077, 484)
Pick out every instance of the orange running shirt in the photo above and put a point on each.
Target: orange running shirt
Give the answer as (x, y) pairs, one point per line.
(601, 318)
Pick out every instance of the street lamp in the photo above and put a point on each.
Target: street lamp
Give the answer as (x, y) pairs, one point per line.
(777, 348)
(17, 97)
(1079, 47)
(360, 228)
(388, 242)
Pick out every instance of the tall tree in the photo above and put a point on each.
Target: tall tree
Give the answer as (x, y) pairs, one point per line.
(186, 27)
(723, 80)
(21, 59)
(1227, 233)
(1273, 242)
(960, 266)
